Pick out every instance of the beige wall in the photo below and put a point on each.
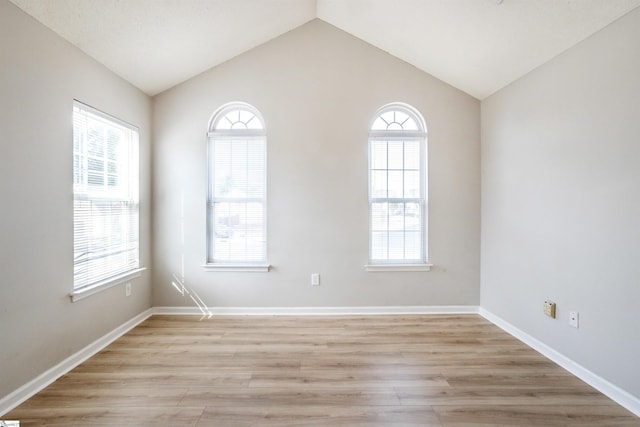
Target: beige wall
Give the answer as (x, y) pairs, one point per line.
(317, 88)
(40, 75)
(561, 202)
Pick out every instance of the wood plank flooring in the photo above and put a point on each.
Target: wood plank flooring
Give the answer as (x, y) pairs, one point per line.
(426, 370)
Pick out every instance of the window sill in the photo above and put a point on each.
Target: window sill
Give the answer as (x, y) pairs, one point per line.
(397, 267)
(236, 268)
(87, 291)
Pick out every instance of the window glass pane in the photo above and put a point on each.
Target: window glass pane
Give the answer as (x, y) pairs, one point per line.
(238, 119)
(223, 124)
(410, 124)
(378, 183)
(379, 216)
(96, 142)
(388, 117)
(254, 123)
(379, 245)
(412, 184)
(412, 155)
(400, 118)
(396, 245)
(395, 120)
(238, 169)
(412, 245)
(255, 169)
(222, 169)
(396, 154)
(396, 184)
(379, 154)
(254, 232)
(113, 144)
(238, 125)
(239, 231)
(412, 216)
(396, 216)
(233, 117)
(245, 116)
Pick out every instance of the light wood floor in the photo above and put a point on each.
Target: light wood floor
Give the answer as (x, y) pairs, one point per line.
(435, 370)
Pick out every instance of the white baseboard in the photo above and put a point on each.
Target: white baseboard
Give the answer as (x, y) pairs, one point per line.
(34, 386)
(610, 390)
(317, 311)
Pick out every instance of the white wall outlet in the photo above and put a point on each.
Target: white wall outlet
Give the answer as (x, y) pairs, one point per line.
(315, 279)
(127, 289)
(573, 319)
(550, 309)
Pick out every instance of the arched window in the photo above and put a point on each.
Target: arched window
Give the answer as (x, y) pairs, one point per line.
(236, 208)
(398, 189)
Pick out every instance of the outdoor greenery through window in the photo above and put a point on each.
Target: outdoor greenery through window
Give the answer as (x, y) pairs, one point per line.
(397, 187)
(105, 197)
(236, 208)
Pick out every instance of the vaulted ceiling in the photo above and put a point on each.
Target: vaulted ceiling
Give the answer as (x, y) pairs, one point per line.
(478, 46)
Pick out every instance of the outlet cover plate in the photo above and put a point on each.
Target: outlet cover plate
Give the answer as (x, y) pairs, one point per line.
(573, 319)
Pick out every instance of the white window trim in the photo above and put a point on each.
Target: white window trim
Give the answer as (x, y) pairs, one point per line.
(87, 291)
(79, 293)
(375, 268)
(389, 265)
(235, 268)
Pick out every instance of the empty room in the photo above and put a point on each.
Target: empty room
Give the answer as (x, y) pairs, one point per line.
(320, 212)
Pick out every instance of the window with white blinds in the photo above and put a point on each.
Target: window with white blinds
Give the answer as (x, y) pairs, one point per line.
(397, 187)
(105, 197)
(236, 208)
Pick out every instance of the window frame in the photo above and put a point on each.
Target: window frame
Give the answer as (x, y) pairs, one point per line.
(419, 135)
(82, 192)
(214, 132)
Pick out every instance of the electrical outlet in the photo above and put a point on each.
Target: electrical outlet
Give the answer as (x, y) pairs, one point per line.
(315, 279)
(127, 289)
(573, 319)
(550, 309)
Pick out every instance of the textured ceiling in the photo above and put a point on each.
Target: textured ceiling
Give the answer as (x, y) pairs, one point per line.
(478, 46)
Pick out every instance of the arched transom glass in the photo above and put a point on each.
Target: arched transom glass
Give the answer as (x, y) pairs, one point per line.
(397, 118)
(237, 118)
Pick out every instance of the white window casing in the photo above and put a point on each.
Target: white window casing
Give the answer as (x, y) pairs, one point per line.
(105, 201)
(398, 190)
(237, 190)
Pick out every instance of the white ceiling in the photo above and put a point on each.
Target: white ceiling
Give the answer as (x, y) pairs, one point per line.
(478, 46)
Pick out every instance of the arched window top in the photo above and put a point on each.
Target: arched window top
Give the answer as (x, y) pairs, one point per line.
(398, 117)
(236, 117)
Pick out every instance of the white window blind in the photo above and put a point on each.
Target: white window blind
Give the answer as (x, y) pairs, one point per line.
(105, 197)
(397, 187)
(237, 187)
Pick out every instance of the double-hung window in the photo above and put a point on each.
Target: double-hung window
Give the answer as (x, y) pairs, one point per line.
(397, 190)
(236, 206)
(105, 199)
